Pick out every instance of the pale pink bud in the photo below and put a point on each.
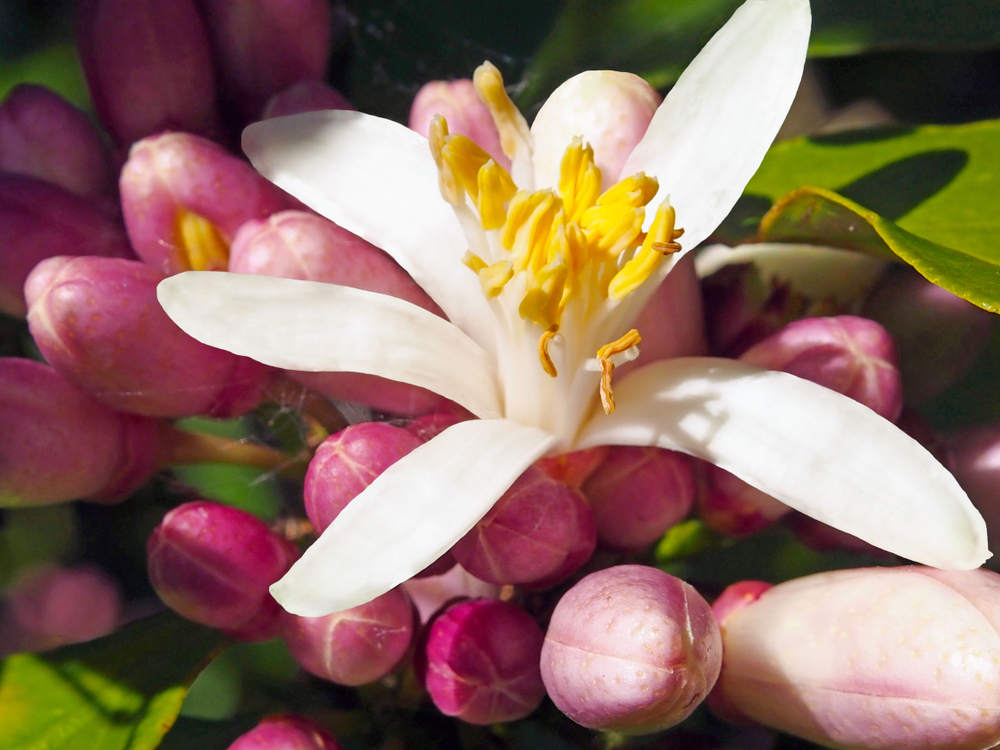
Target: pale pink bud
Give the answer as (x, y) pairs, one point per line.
(148, 66)
(429, 593)
(482, 662)
(304, 96)
(574, 468)
(459, 104)
(530, 534)
(286, 732)
(292, 36)
(356, 646)
(939, 335)
(184, 198)
(608, 109)
(975, 454)
(875, 658)
(39, 220)
(732, 507)
(44, 136)
(630, 649)
(98, 322)
(853, 356)
(58, 444)
(637, 494)
(213, 564)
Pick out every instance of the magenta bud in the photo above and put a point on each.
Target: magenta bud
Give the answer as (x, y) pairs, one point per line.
(429, 593)
(853, 356)
(530, 534)
(873, 658)
(293, 36)
(39, 220)
(630, 649)
(732, 507)
(184, 198)
(430, 425)
(44, 136)
(286, 732)
(356, 646)
(482, 662)
(939, 335)
(213, 564)
(459, 104)
(58, 444)
(608, 109)
(740, 309)
(975, 462)
(304, 96)
(98, 322)
(148, 66)
(574, 468)
(637, 494)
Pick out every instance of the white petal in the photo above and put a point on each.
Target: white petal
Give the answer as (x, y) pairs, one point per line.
(376, 179)
(815, 450)
(713, 129)
(817, 272)
(410, 515)
(306, 325)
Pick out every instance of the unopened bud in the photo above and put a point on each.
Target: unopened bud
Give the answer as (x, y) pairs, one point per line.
(740, 308)
(184, 198)
(482, 662)
(213, 564)
(304, 96)
(732, 507)
(630, 649)
(97, 320)
(876, 657)
(434, 423)
(286, 732)
(573, 468)
(850, 355)
(975, 462)
(429, 593)
(459, 104)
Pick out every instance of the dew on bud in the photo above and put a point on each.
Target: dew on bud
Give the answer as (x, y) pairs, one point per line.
(286, 732)
(459, 104)
(630, 649)
(304, 96)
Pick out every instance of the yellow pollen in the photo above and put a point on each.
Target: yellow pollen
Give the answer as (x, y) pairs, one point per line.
(604, 354)
(543, 349)
(660, 240)
(437, 136)
(492, 278)
(515, 137)
(579, 180)
(495, 189)
(202, 245)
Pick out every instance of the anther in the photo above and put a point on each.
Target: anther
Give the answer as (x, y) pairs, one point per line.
(607, 396)
(543, 350)
(626, 342)
(604, 354)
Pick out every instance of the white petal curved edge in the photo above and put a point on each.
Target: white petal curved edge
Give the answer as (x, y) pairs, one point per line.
(410, 515)
(712, 131)
(377, 179)
(307, 325)
(811, 448)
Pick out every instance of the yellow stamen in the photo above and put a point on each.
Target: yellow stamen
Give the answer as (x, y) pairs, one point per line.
(543, 349)
(465, 159)
(473, 261)
(604, 354)
(607, 396)
(579, 180)
(437, 136)
(493, 278)
(659, 241)
(202, 245)
(637, 190)
(513, 128)
(541, 300)
(619, 345)
(495, 188)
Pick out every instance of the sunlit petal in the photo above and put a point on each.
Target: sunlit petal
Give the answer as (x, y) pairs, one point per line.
(410, 515)
(815, 450)
(306, 325)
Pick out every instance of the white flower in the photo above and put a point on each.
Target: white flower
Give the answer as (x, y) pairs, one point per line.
(536, 329)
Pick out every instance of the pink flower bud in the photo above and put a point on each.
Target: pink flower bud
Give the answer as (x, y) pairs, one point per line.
(630, 649)
(736, 597)
(878, 657)
(939, 335)
(148, 66)
(44, 136)
(975, 453)
(356, 646)
(850, 355)
(741, 310)
(637, 494)
(732, 507)
(608, 109)
(430, 425)
(213, 564)
(429, 593)
(98, 322)
(292, 36)
(459, 104)
(530, 533)
(184, 198)
(58, 444)
(286, 732)
(304, 96)
(482, 662)
(574, 468)
(39, 220)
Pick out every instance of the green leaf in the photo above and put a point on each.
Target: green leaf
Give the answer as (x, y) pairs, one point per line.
(121, 692)
(56, 67)
(683, 540)
(821, 217)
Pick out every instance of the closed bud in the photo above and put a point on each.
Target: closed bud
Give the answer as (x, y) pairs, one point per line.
(44, 136)
(214, 564)
(58, 444)
(286, 732)
(574, 468)
(732, 507)
(741, 309)
(637, 494)
(304, 96)
(356, 646)
(482, 662)
(429, 593)
(608, 109)
(148, 66)
(39, 220)
(850, 355)
(184, 198)
(630, 649)
(429, 425)
(870, 658)
(459, 104)
(98, 322)
(975, 462)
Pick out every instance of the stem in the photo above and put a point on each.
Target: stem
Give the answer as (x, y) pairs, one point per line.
(180, 447)
(314, 408)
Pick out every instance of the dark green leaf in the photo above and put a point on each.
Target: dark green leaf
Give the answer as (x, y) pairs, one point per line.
(121, 692)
